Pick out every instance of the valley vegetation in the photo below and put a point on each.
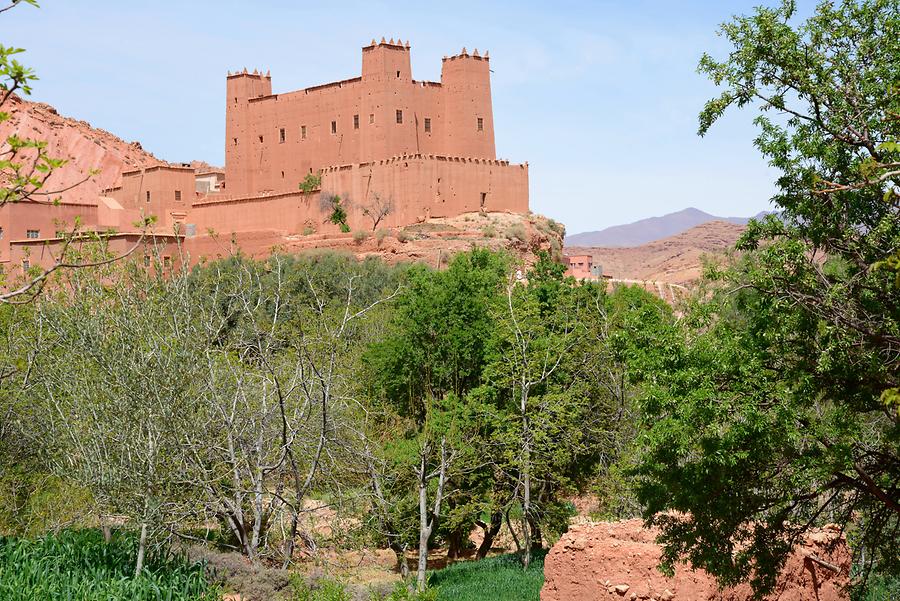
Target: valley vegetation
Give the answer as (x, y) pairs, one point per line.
(146, 411)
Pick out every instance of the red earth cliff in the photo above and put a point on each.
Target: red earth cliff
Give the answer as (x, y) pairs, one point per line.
(84, 147)
(618, 560)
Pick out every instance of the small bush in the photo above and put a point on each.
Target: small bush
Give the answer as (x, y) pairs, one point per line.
(405, 591)
(381, 234)
(489, 231)
(516, 231)
(309, 230)
(311, 182)
(325, 589)
(403, 235)
(345, 228)
(359, 236)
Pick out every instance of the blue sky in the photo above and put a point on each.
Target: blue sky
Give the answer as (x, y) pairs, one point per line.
(601, 98)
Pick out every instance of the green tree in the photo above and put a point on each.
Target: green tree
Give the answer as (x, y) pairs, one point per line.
(776, 412)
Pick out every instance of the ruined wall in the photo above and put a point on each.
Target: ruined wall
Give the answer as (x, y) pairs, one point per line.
(274, 140)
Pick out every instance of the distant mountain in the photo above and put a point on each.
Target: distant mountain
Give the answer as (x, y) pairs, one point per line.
(675, 259)
(649, 230)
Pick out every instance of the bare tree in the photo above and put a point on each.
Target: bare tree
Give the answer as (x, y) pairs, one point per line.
(378, 209)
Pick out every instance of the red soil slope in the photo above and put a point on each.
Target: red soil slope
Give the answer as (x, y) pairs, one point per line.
(85, 147)
(617, 560)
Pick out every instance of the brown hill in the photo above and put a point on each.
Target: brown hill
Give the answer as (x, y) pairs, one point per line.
(85, 147)
(674, 260)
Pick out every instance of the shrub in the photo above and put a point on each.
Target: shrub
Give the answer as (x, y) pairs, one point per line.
(325, 589)
(489, 231)
(311, 182)
(359, 236)
(381, 234)
(403, 235)
(516, 231)
(308, 230)
(404, 591)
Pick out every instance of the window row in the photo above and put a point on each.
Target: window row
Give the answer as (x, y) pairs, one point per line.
(282, 132)
(177, 194)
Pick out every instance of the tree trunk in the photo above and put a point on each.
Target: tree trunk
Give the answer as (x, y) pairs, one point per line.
(142, 544)
(490, 532)
(426, 525)
(402, 561)
(537, 537)
(456, 543)
(424, 529)
(526, 479)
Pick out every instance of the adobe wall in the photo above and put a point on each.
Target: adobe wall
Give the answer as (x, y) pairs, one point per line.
(429, 186)
(18, 217)
(355, 120)
(419, 187)
(44, 253)
(162, 183)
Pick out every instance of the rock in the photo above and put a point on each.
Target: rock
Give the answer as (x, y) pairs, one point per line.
(621, 589)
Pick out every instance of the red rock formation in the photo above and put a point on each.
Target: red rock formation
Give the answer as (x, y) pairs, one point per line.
(618, 560)
(85, 147)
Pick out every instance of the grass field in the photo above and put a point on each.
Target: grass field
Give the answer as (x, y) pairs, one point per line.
(498, 578)
(81, 566)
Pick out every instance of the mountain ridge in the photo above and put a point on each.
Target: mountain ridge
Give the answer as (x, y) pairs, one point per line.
(651, 229)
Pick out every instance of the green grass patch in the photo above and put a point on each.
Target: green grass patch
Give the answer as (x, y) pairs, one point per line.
(498, 578)
(79, 565)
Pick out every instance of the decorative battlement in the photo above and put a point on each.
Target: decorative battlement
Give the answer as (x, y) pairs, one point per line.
(465, 54)
(391, 44)
(256, 74)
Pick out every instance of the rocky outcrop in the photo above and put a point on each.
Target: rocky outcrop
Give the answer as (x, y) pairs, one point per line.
(618, 560)
(86, 149)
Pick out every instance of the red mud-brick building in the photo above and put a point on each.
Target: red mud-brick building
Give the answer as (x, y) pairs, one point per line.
(425, 148)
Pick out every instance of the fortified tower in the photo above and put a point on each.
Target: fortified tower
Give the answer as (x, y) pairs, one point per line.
(274, 140)
(240, 88)
(468, 112)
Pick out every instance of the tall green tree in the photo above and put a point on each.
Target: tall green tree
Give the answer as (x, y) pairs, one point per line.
(777, 412)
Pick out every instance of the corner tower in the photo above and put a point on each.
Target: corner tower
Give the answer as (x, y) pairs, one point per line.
(468, 113)
(240, 147)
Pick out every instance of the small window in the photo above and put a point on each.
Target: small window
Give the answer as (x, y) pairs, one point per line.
(1, 233)
(334, 127)
(167, 261)
(148, 195)
(146, 260)
(302, 132)
(399, 116)
(235, 99)
(398, 74)
(281, 135)
(33, 234)
(26, 265)
(177, 195)
(282, 175)
(427, 125)
(235, 141)
(371, 118)
(260, 139)
(355, 121)
(480, 124)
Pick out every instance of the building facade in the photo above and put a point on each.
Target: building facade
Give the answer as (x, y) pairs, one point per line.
(424, 148)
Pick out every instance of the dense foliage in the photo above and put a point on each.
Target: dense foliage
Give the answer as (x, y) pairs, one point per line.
(777, 411)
